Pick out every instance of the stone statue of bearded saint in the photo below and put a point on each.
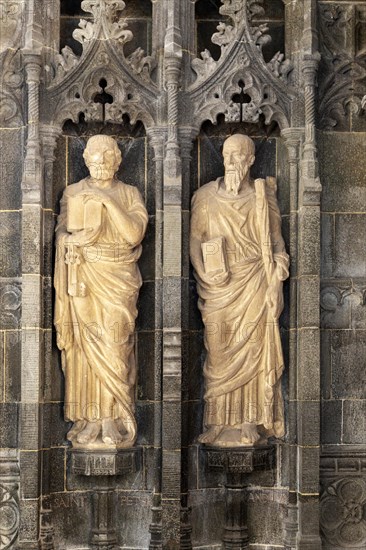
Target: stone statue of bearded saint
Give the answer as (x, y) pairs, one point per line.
(98, 236)
(240, 263)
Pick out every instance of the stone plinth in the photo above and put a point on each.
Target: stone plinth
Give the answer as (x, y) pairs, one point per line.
(104, 464)
(114, 462)
(238, 464)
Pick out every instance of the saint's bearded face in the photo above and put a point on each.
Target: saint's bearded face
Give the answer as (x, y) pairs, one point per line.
(237, 162)
(102, 163)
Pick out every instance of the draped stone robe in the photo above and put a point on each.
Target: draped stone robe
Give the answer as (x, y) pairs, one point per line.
(244, 359)
(95, 331)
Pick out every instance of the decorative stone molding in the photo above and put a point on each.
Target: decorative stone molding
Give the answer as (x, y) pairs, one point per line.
(74, 82)
(9, 498)
(343, 509)
(12, 80)
(339, 300)
(343, 83)
(343, 499)
(105, 463)
(241, 60)
(10, 302)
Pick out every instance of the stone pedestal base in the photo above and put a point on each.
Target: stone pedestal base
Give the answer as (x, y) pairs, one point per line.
(238, 463)
(104, 464)
(112, 462)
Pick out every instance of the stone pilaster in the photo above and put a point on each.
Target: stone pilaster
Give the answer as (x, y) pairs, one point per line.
(308, 344)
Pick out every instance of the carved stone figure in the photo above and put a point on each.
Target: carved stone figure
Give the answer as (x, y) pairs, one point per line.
(98, 236)
(240, 263)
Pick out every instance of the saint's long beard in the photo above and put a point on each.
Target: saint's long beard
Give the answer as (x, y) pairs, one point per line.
(234, 176)
(101, 172)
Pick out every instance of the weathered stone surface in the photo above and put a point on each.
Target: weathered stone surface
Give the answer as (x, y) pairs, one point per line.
(341, 170)
(354, 421)
(331, 422)
(10, 169)
(348, 364)
(12, 363)
(349, 243)
(10, 244)
(8, 425)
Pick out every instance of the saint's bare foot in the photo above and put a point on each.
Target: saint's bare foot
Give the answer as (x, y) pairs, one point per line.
(89, 434)
(249, 434)
(110, 433)
(209, 436)
(76, 429)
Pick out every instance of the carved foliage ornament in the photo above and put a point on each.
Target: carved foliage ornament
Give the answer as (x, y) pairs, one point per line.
(343, 66)
(241, 13)
(9, 513)
(343, 513)
(105, 24)
(217, 82)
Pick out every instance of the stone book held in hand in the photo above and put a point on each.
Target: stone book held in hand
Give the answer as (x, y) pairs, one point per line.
(82, 215)
(214, 255)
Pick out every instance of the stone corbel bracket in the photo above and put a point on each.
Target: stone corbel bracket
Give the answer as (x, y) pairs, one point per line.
(266, 84)
(76, 81)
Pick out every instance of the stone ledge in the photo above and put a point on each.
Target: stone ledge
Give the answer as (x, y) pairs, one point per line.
(240, 460)
(113, 462)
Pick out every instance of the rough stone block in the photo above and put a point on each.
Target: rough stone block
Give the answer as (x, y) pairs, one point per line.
(348, 364)
(29, 521)
(55, 427)
(32, 256)
(8, 425)
(133, 509)
(30, 425)
(10, 259)
(171, 474)
(308, 364)
(53, 469)
(171, 428)
(10, 300)
(208, 509)
(308, 422)
(308, 469)
(172, 289)
(29, 465)
(327, 245)
(12, 362)
(270, 532)
(309, 244)
(331, 422)
(350, 238)
(354, 422)
(342, 165)
(145, 413)
(31, 304)
(71, 518)
(11, 142)
(325, 363)
(308, 301)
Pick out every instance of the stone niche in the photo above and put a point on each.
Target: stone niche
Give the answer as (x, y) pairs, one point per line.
(170, 81)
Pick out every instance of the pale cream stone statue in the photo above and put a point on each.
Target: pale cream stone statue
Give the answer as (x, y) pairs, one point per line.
(98, 237)
(240, 263)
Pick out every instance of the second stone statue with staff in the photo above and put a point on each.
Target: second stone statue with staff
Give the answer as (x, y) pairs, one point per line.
(240, 263)
(98, 236)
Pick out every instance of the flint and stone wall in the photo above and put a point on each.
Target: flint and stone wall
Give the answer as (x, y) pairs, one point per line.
(306, 114)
